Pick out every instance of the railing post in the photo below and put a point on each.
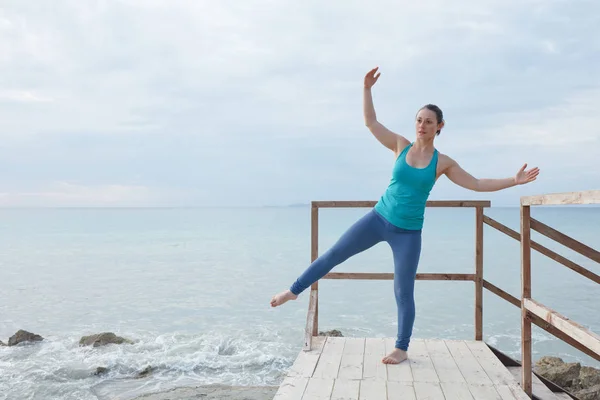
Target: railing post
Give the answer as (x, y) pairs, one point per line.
(314, 253)
(526, 369)
(479, 273)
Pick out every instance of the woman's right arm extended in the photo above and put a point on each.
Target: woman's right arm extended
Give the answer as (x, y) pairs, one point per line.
(389, 139)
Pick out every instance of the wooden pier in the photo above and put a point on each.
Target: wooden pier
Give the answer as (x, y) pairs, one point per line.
(351, 368)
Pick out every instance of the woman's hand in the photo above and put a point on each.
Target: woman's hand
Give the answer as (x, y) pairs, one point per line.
(371, 77)
(522, 177)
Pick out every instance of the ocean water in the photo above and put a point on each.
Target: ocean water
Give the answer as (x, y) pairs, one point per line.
(192, 288)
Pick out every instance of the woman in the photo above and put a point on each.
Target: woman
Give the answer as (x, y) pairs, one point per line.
(397, 218)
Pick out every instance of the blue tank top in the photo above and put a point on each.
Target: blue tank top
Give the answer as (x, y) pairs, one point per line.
(403, 202)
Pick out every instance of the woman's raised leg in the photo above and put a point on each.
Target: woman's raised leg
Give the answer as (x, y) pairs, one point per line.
(363, 234)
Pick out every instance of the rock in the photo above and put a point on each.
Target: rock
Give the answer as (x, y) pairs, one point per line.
(102, 339)
(588, 377)
(145, 372)
(583, 382)
(2, 343)
(23, 336)
(215, 392)
(101, 371)
(333, 332)
(556, 370)
(548, 360)
(592, 393)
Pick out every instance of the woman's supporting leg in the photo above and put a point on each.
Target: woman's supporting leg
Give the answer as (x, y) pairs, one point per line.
(406, 247)
(363, 234)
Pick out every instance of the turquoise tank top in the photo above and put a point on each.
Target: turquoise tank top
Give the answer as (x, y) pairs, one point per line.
(403, 202)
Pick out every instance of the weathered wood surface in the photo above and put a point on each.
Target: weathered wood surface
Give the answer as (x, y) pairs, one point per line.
(584, 197)
(422, 276)
(351, 368)
(371, 203)
(572, 329)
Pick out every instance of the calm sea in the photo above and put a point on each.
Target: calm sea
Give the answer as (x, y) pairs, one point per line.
(192, 288)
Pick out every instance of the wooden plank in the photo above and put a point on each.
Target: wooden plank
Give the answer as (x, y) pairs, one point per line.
(291, 388)
(310, 320)
(318, 389)
(314, 254)
(512, 392)
(484, 392)
(543, 250)
(525, 294)
(420, 362)
(565, 240)
(466, 362)
(429, 391)
(351, 365)
(456, 391)
(540, 322)
(373, 368)
(562, 396)
(371, 203)
(583, 197)
(501, 293)
(541, 391)
(563, 336)
(399, 372)
(443, 362)
(305, 363)
(564, 324)
(479, 273)
(373, 390)
(344, 389)
(400, 391)
(497, 372)
(331, 357)
(390, 276)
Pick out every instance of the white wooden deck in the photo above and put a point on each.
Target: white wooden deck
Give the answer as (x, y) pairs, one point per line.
(351, 368)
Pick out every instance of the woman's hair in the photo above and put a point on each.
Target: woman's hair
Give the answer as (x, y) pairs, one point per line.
(438, 113)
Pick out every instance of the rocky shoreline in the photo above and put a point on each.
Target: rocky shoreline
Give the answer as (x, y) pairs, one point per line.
(581, 381)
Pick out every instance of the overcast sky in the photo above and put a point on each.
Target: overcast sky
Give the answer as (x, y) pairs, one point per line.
(229, 102)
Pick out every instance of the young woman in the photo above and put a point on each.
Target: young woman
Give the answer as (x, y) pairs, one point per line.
(397, 218)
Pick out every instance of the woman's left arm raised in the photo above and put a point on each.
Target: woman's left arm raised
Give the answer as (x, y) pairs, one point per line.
(459, 176)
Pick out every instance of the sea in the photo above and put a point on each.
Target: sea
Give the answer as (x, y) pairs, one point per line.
(191, 288)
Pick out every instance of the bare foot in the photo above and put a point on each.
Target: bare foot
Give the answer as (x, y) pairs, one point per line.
(395, 357)
(282, 297)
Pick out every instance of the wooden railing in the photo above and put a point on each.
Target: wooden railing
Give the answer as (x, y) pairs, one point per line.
(312, 319)
(531, 311)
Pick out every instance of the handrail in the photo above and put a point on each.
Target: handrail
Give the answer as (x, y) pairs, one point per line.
(543, 250)
(430, 203)
(584, 197)
(312, 322)
(531, 311)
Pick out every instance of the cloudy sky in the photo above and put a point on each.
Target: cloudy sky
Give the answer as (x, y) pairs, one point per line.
(202, 103)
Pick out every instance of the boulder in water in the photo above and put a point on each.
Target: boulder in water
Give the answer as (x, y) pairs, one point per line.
(145, 372)
(102, 339)
(23, 337)
(101, 371)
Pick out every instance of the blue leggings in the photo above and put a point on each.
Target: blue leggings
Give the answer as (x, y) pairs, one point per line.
(363, 234)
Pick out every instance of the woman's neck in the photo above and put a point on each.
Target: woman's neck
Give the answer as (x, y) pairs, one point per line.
(424, 145)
